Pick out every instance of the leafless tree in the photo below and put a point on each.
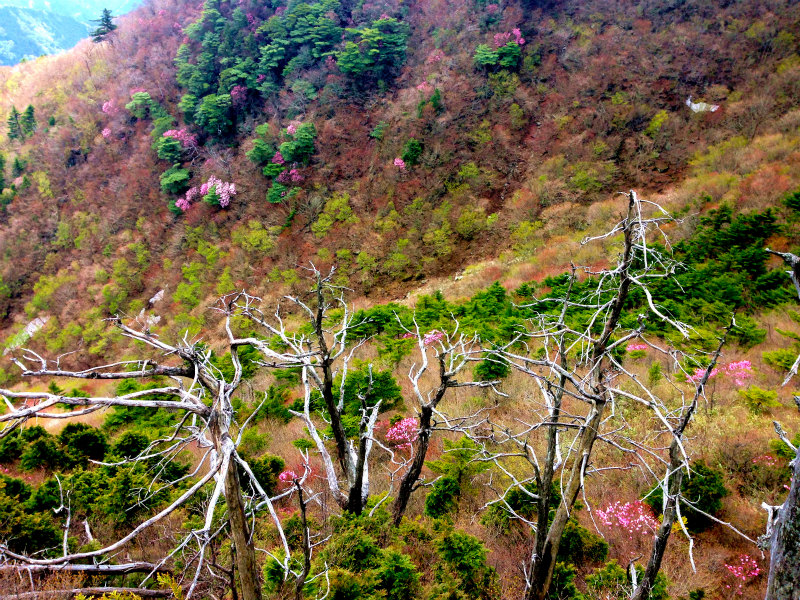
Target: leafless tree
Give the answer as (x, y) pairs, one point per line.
(571, 351)
(783, 529)
(201, 396)
(327, 354)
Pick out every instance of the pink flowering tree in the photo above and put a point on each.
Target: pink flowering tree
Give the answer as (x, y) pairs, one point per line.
(403, 433)
(634, 518)
(187, 139)
(214, 192)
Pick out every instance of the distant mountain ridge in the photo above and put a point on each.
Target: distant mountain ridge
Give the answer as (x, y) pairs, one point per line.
(32, 28)
(82, 11)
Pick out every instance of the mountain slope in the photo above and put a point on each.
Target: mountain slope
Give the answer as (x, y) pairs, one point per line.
(454, 152)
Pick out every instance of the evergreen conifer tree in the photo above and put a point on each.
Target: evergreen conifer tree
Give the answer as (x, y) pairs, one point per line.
(105, 25)
(18, 167)
(2, 171)
(27, 121)
(14, 125)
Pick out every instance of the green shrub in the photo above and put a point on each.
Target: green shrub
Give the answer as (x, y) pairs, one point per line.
(131, 444)
(612, 582)
(175, 180)
(266, 469)
(562, 586)
(42, 453)
(580, 546)
(705, 488)
(82, 443)
(397, 576)
(412, 152)
(758, 400)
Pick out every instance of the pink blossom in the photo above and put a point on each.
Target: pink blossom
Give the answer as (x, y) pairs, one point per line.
(432, 337)
(740, 371)
(633, 517)
(635, 347)
(290, 176)
(424, 87)
(188, 140)
(110, 108)
(291, 129)
(409, 335)
(501, 39)
(223, 189)
(743, 571)
(288, 476)
(698, 375)
(106, 133)
(137, 90)
(400, 164)
(239, 94)
(278, 159)
(261, 78)
(162, 12)
(403, 433)
(766, 459)
(492, 9)
(384, 16)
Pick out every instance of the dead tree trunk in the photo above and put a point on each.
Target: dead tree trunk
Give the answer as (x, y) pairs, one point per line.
(784, 567)
(240, 534)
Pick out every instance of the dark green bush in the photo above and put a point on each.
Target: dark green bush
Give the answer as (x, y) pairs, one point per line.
(705, 488)
(412, 152)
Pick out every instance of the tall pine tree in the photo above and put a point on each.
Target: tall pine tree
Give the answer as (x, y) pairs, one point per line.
(14, 125)
(2, 171)
(105, 25)
(28, 121)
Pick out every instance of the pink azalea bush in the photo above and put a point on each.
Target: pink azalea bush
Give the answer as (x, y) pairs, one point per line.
(290, 176)
(432, 337)
(400, 164)
(106, 133)
(214, 191)
(698, 375)
(187, 139)
(515, 36)
(403, 433)
(278, 159)
(632, 517)
(287, 477)
(740, 371)
(238, 94)
(766, 459)
(636, 347)
(110, 108)
(743, 571)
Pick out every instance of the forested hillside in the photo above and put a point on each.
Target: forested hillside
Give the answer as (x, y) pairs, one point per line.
(436, 303)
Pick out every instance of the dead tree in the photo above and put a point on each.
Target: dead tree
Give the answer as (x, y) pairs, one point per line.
(326, 354)
(572, 363)
(202, 398)
(676, 468)
(784, 521)
(453, 352)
